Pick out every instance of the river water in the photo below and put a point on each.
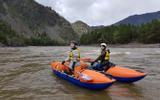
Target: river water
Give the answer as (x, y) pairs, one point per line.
(25, 74)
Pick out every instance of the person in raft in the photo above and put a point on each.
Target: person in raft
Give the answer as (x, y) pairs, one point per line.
(74, 56)
(102, 61)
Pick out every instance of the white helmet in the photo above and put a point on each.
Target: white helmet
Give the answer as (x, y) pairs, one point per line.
(104, 44)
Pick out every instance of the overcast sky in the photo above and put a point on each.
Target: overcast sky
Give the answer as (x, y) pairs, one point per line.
(101, 12)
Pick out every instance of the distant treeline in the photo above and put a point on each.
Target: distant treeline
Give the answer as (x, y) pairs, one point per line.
(145, 33)
(8, 37)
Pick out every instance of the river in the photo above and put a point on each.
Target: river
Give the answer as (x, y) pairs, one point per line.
(25, 74)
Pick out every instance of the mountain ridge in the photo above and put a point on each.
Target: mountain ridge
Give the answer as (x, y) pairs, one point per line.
(139, 19)
(27, 18)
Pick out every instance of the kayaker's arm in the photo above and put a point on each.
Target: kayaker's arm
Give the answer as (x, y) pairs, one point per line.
(100, 56)
(67, 59)
(108, 50)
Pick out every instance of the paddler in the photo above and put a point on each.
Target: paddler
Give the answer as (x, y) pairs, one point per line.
(102, 61)
(74, 56)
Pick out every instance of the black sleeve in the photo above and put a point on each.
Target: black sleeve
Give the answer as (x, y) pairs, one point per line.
(108, 51)
(100, 56)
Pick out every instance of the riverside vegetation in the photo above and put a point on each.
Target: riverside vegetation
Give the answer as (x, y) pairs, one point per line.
(145, 33)
(124, 33)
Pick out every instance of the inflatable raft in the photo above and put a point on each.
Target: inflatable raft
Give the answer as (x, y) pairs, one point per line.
(121, 74)
(85, 78)
(125, 74)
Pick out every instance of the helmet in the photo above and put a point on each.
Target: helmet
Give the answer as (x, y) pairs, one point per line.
(74, 42)
(104, 44)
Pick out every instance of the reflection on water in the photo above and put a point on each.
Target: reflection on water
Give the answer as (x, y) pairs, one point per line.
(25, 74)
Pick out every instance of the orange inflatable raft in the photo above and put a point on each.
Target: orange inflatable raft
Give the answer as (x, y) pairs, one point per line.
(122, 74)
(82, 77)
(125, 74)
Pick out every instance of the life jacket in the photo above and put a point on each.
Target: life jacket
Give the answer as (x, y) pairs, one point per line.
(71, 54)
(107, 56)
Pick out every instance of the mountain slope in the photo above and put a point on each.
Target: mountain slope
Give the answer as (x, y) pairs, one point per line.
(81, 27)
(140, 19)
(28, 18)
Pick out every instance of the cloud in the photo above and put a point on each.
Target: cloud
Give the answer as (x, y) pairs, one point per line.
(101, 12)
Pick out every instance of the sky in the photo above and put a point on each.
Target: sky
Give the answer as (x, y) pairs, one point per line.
(100, 12)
